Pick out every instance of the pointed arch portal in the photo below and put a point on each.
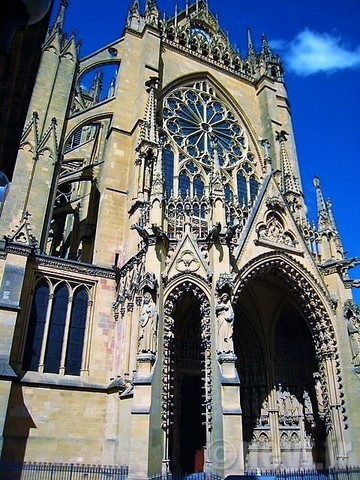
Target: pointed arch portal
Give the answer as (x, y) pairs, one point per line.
(286, 350)
(188, 380)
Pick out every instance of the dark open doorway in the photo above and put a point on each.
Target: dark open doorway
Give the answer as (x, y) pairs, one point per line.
(187, 434)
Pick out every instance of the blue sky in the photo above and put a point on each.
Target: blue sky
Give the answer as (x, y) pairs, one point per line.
(319, 42)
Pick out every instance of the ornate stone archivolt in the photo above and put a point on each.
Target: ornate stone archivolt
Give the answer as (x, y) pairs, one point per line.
(186, 286)
(304, 286)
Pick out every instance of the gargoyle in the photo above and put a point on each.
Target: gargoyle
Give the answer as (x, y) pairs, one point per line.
(214, 233)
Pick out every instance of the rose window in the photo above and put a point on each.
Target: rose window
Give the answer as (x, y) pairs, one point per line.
(201, 124)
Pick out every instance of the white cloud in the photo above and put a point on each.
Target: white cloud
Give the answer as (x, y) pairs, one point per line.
(312, 52)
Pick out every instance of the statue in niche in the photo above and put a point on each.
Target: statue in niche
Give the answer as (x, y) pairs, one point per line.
(308, 409)
(318, 391)
(353, 328)
(148, 325)
(288, 407)
(225, 318)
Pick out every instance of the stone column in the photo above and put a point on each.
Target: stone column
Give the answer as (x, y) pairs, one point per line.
(233, 451)
(140, 447)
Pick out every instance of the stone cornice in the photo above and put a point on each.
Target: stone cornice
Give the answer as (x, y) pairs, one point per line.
(76, 267)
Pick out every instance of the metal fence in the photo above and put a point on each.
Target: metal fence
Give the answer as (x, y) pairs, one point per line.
(51, 471)
(192, 476)
(59, 471)
(348, 473)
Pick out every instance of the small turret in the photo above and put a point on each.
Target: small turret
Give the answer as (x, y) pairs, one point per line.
(134, 19)
(96, 87)
(151, 13)
(265, 48)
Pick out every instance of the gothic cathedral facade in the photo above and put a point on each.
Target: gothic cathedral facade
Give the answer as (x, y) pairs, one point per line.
(166, 304)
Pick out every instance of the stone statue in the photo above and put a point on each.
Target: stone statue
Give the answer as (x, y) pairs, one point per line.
(148, 325)
(308, 409)
(318, 391)
(225, 317)
(353, 328)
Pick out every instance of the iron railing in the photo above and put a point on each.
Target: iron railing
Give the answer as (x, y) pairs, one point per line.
(347, 473)
(59, 471)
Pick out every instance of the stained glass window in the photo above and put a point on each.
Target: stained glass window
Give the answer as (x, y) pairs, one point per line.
(184, 184)
(36, 326)
(76, 332)
(56, 330)
(254, 187)
(241, 187)
(62, 315)
(198, 187)
(168, 162)
(199, 123)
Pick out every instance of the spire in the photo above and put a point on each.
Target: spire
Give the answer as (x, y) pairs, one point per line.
(149, 130)
(265, 49)
(324, 209)
(331, 246)
(176, 14)
(320, 202)
(60, 18)
(96, 87)
(289, 183)
(251, 51)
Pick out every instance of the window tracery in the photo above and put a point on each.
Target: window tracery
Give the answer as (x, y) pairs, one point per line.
(201, 137)
(56, 328)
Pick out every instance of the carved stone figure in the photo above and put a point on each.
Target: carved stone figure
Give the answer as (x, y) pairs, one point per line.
(225, 317)
(353, 328)
(308, 409)
(148, 325)
(318, 391)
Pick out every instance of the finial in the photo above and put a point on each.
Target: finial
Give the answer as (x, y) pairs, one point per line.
(265, 49)
(151, 13)
(60, 18)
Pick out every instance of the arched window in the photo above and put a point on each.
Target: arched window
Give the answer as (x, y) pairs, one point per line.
(57, 327)
(168, 162)
(184, 185)
(254, 187)
(36, 326)
(56, 330)
(76, 332)
(241, 187)
(228, 193)
(198, 187)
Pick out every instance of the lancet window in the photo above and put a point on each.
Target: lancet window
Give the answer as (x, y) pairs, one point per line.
(56, 328)
(204, 136)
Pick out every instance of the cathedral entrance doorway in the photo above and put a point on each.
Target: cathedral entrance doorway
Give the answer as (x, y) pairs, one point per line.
(187, 432)
(283, 417)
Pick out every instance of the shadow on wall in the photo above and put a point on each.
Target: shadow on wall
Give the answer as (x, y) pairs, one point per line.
(16, 432)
